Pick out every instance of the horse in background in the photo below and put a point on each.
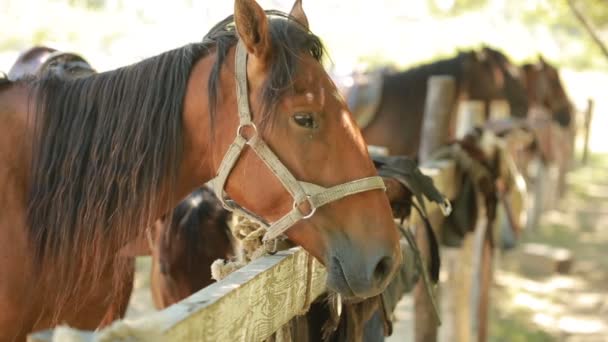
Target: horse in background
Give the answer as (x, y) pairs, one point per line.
(184, 245)
(545, 88)
(539, 84)
(396, 121)
(553, 116)
(511, 80)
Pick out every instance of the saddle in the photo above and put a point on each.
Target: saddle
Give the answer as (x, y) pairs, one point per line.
(363, 93)
(478, 175)
(66, 64)
(405, 171)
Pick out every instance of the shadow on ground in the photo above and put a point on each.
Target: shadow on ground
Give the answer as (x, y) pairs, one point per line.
(560, 307)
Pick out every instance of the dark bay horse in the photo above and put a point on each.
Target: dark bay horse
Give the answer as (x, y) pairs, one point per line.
(398, 120)
(511, 81)
(185, 244)
(79, 155)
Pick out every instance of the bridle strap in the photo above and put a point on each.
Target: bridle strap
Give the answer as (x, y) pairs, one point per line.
(316, 195)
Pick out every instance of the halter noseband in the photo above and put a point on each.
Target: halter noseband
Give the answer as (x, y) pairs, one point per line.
(314, 194)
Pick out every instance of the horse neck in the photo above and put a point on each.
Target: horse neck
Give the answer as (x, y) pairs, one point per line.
(450, 67)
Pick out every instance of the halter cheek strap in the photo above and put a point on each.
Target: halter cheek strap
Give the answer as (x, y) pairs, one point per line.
(316, 195)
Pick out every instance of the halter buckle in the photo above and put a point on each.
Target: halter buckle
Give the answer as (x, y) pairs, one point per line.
(244, 125)
(312, 211)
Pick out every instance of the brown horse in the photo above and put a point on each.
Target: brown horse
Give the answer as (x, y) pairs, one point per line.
(553, 117)
(545, 88)
(79, 155)
(398, 120)
(185, 244)
(511, 81)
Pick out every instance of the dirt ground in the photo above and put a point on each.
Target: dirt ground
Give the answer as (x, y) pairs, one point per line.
(560, 307)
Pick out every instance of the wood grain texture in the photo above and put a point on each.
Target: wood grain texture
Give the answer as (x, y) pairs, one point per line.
(248, 305)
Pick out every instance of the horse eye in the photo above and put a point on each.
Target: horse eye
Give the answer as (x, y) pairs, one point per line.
(305, 120)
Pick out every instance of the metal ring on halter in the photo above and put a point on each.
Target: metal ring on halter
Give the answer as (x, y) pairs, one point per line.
(250, 124)
(312, 212)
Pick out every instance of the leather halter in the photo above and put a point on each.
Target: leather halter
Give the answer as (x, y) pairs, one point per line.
(301, 192)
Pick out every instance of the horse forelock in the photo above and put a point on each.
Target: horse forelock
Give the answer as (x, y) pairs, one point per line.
(289, 41)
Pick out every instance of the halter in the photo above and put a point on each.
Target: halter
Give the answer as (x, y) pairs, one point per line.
(316, 195)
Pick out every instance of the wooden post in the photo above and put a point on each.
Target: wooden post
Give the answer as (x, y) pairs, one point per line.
(438, 107)
(499, 110)
(470, 115)
(467, 268)
(437, 113)
(588, 118)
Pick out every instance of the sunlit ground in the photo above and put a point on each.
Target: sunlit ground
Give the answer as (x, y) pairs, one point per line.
(570, 307)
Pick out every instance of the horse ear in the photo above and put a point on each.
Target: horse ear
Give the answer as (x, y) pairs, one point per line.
(252, 28)
(541, 59)
(297, 12)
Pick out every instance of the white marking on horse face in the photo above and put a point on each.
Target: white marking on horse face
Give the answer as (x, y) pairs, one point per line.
(310, 97)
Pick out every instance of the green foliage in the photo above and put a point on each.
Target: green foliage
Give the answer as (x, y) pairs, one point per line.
(579, 51)
(457, 6)
(557, 16)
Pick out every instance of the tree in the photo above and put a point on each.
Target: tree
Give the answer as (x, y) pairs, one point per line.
(588, 27)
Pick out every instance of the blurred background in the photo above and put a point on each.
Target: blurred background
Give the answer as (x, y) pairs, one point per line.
(359, 34)
(402, 33)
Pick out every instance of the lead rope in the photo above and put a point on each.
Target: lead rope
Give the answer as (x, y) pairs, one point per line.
(429, 288)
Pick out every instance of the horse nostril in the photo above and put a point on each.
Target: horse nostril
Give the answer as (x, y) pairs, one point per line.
(383, 268)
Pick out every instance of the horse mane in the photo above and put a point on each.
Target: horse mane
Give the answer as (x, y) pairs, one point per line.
(107, 143)
(453, 66)
(289, 41)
